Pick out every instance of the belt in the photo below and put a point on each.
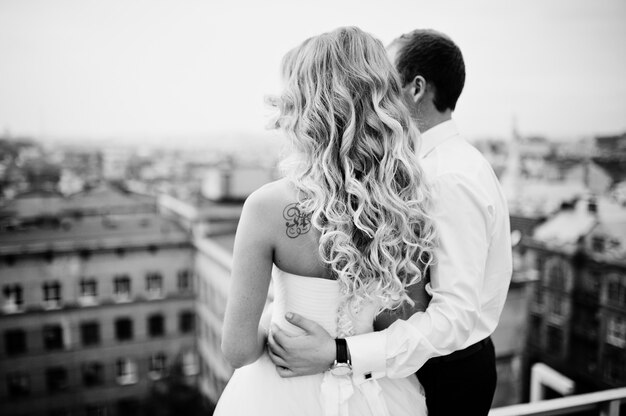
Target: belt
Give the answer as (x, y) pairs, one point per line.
(457, 355)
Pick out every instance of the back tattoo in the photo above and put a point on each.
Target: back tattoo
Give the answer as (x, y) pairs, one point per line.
(298, 222)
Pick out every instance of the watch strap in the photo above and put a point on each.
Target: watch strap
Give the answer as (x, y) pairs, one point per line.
(342, 350)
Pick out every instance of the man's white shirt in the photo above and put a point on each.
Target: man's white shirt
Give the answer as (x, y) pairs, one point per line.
(472, 270)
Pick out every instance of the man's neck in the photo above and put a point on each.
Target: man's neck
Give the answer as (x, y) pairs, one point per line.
(433, 120)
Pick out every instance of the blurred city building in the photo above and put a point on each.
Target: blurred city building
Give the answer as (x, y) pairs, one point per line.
(226, 183)
(97, 302)
(213, 225)
(509, 338)
(577, 321)
(568, 228)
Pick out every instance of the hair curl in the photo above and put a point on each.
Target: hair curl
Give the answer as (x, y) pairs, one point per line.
(355, 164)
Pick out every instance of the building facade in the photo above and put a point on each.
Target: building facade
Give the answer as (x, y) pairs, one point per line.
(577, 311)
(96, 306)
(213, 226)
(213, 265)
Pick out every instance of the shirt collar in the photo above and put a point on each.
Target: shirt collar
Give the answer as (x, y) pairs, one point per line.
(436, 135)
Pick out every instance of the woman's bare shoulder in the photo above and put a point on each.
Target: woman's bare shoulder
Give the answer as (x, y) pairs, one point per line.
(274, 192)
(271, 199)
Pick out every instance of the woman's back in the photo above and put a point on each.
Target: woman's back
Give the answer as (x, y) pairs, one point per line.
(295, 241)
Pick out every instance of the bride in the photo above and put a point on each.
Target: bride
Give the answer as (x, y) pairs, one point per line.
(342, 237)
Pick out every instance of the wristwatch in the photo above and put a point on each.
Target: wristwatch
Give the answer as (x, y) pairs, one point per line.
(342, 365)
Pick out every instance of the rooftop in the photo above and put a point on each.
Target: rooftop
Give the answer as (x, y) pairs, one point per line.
(570, 224)
(93, 232)
(102, 199)
(538, 197)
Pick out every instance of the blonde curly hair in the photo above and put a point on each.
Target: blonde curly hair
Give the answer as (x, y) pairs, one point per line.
(355, 164)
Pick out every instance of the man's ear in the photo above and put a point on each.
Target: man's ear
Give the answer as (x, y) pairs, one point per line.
(418, 88)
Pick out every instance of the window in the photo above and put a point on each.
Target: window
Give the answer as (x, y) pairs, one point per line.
(93, 374)
(156, 325)
(538, 294)
(617, 289)
(540, 263)
(157, 366)
(535, 329)
(53, 337)
(88, 292)
(557, 306)
(10, 260)
(154, 285)
(556, 274)
(13, 298)
(186, 322)
(615, 365)
(52, 295)
(123, 329)
(15, 341)
(184, 280)
(56, 379)
(616, 331)
(18, 384)
(95, 410)
(128, 407)
(190, 363)
(90, 333)
(126, 371)
(121, 288)
(555, 340)
(49, 256)
(591, 282)
(597, 244)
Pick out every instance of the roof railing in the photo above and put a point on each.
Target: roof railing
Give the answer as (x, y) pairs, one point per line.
(606, 402)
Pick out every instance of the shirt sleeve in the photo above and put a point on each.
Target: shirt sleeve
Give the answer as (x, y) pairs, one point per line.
(464, 217)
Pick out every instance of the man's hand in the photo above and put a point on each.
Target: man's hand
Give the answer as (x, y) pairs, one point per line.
(310, 353)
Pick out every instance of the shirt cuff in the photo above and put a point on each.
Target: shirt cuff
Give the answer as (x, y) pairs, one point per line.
(368, 355)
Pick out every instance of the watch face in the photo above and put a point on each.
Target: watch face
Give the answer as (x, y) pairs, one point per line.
(341, 370)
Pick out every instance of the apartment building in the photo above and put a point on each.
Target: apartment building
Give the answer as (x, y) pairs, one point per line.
(96, 304)
(577, 311)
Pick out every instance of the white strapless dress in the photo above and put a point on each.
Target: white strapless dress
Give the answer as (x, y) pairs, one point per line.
(257, 389)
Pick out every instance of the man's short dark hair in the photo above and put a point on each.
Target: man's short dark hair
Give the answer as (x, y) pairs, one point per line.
(435, 57)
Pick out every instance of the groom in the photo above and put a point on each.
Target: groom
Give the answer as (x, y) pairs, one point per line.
(448, 344)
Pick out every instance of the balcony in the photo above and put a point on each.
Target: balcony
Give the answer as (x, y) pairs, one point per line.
(155, 293)
(12, 307)
(606, 403)
(88, 300)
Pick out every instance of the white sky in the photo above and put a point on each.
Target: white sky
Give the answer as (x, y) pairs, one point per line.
(190, 68)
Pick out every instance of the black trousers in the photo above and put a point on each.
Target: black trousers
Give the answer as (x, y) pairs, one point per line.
(460, 384)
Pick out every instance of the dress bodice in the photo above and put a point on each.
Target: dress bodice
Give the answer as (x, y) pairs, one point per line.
(258, 389)
(316, 299)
